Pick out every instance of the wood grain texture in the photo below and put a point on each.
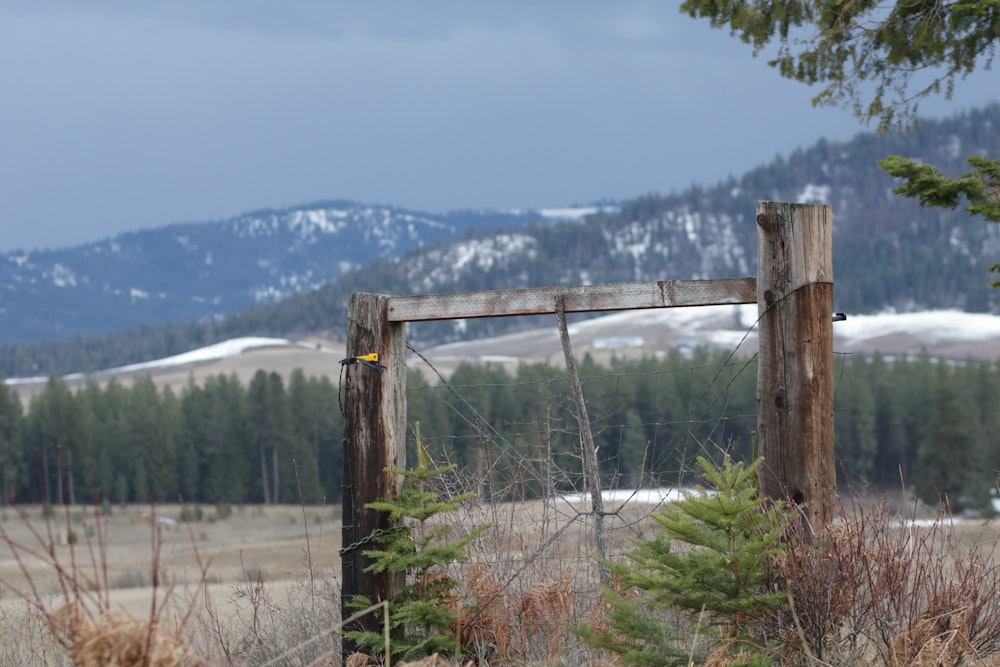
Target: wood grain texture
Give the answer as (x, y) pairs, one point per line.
(374, 440)
(795, 364)
(581, 299)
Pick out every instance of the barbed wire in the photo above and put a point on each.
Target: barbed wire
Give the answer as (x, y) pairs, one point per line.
(480, 427)
(522, 459)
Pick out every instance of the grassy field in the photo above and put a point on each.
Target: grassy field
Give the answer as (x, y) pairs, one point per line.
(226, 580)
(259, 585)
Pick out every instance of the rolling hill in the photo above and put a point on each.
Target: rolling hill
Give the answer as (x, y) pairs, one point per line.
(261, 274)
(626, 335)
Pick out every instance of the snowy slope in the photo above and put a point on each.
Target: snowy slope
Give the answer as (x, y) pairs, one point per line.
(943, 333)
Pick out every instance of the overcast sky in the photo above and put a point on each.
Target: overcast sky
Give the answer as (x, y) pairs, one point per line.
(116, 116)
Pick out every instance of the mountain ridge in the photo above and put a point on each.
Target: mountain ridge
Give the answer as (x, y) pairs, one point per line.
(889, 254)
(191, 271)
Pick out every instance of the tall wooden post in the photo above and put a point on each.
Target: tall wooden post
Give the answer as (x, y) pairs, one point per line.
(374, 439)
(795, 376)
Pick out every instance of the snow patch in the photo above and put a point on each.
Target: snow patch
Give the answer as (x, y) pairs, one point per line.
(268, 294)
(223, 350)
(574, 212)
(954, 147)
(309, 223)
(638, 496)
(814, 194)
(723, 325)
(63, 276)
(480, 254)
(930, 326)
(688, 320)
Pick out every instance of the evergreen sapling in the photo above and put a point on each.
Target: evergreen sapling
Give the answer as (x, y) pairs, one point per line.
(424, 615)
(705, 569)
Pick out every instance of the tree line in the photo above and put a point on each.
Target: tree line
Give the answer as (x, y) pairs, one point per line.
(215, 442)
(919, 423)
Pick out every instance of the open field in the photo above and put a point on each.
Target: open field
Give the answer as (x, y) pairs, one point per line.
(316, 356)
(232, 575)
(535, 553)
(239, 585)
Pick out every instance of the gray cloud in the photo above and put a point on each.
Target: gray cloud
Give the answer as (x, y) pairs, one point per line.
(132, 115)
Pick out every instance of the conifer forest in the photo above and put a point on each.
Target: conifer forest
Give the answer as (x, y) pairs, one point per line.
(917, 424)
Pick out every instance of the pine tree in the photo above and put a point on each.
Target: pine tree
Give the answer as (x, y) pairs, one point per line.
(978, 189)
(163, 458)
(259, 412)
(312, 406)
(191, 442)
(152, 463)
(424, 405)
(11, 443)
(425, 611)
(92, 406)
(891, 460)
(228, 456)
(949, 464)
(715, 578)
(632, 449)
(856, 444)
(881, 59)
(55, 431)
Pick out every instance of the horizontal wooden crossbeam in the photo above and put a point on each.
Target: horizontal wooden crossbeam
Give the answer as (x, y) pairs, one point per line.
(577, 299)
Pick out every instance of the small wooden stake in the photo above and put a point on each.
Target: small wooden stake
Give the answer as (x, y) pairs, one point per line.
(587, 450)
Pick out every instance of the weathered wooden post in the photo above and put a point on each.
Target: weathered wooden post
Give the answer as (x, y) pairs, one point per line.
(795, 365)
(374, 440)
(794, 293)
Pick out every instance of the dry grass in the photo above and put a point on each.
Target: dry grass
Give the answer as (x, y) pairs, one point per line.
(64, 603)
(79, 615)
(511, 630)
(113, 639)
(883, 590)
(874, 590)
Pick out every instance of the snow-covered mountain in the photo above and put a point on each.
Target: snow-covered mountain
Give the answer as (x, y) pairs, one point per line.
(290, 272)
(187, 272)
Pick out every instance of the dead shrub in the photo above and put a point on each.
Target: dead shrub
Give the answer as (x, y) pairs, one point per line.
(544, 612)
(435, 660)
(117, 640)
(821, 580)
(485, 623)
(931, 642)
(509, 629)
(878, 589)
(83, 624)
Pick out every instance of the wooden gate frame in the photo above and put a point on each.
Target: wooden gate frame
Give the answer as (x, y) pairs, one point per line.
(794, 295)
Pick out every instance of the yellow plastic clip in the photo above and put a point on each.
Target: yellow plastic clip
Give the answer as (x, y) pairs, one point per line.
(370, 360)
